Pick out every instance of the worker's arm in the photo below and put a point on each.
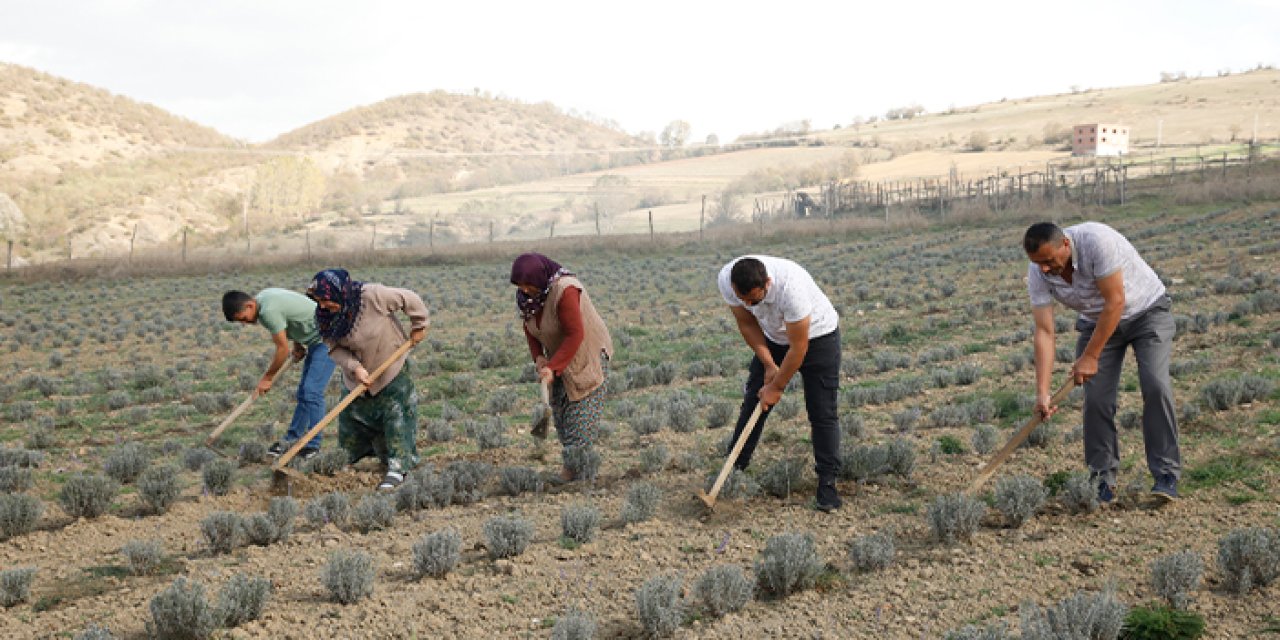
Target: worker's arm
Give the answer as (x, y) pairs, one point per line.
(751, 332)
(277, 361)
(1043, 347)
(798, 336)
(1112, 289)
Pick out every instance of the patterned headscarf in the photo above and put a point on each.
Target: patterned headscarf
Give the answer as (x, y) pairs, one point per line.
(537, 270)
(335, 285)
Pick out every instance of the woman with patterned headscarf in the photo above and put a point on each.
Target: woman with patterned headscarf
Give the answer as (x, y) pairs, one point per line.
(357, 321)
(569, 343)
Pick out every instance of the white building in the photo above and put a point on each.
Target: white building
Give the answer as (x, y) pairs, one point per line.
(1099, 140)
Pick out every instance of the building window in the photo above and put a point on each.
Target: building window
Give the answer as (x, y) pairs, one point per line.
(1104, 139)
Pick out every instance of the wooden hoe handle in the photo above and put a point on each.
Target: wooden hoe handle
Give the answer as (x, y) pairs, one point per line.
(1018, 438)
(710, 498)
(244, 406)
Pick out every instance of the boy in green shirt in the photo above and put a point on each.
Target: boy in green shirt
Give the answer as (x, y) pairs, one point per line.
(289, 316)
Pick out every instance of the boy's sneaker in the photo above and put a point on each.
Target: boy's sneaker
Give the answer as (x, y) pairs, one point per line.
(390, 481)
(307, 454)
(827, 499)
(276, 449)
(1166, 487)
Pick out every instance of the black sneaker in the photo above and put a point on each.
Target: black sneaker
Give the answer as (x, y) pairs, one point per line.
(308, 453)
(276, 449)
(827, 499)
(1106, 493)
(1166, 487)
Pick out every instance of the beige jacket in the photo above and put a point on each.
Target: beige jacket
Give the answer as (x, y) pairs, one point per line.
(377, 334)
(585, 372)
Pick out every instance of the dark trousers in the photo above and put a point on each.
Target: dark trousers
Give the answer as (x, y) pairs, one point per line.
(1151, 336)
(820, 373)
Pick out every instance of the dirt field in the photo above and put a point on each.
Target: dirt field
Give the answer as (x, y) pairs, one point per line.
(899, 327)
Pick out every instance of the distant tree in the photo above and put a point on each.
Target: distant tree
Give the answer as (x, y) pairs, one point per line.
(1056, 133)
(676, 134)
(724, 208)
(713, 140)
(286, 189)
(979, 140)
(611, 195)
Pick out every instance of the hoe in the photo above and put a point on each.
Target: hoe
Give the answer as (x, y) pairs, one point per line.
(281, 470)
(710, 499)
(244, 406)
(1017, 439)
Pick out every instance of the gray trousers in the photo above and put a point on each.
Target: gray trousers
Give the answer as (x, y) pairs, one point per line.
(1151, 335)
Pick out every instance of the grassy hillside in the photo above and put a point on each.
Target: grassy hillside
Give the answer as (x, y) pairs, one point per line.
(49, 124)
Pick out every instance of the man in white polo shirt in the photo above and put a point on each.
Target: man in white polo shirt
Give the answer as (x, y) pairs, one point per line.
(791, 327)
(1094, 270)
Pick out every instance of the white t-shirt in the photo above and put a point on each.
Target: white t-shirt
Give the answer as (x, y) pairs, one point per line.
(792, 296)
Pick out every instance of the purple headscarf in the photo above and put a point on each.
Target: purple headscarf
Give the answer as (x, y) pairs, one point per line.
(335, 285)
(537, 270)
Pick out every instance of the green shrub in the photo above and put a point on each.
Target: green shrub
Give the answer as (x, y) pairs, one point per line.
(1162, 623)
(181, 612)
(223, 531)
(578, 522)
(873, 552)
(437, 554)
(158, 488)
(507, 536)
(1019, 498)
(87, 495)
(15, 585)
(640, 503)
(19, 514)
(954, 517)
(723, 589)
(659, 606)
(789, 563)
(575, 624)
(1176, 576)
(141, 557)
(218, 476)
(242, 599)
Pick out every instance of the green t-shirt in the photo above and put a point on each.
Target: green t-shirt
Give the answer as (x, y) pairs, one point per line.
(288, 311)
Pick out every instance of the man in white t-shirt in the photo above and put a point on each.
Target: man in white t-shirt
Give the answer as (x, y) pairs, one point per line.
(1094, 270)
(791, 327)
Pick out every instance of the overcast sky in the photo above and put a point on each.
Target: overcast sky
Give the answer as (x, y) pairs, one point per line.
(257, 68)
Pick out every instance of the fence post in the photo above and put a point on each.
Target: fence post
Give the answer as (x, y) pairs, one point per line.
(431, 235)
(373, 239)
(597, 208)
(1224, 164)
(552, 233)
(244, 214)
(702, 217)
(184, 245)
(132, 237)
(651, 225)
(8, 262)
(491, 229)
(308, 237)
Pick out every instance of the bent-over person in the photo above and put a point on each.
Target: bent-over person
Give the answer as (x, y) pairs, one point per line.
(791, 327)
(289, 317)
(1121, 302)
(569, 344)
(357, 320)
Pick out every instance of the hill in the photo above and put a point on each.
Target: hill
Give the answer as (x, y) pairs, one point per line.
(48, 124)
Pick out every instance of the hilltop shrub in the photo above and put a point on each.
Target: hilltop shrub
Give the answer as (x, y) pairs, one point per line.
(19, 514)
(723, 589)
(348, 576)
(195, 458)
(468, 479)
(1249, 558)
(242, 599)
(789, 563)
(575, 624)
(332, 507)
(863, 462)
(1176, 576)
(641, 502)
(223, 531)
(282, 510)
(507, 536)
(583, 462)
(659, 607)
(719, 414)
(1079, 494)
(328, 463)
(1097, 616)
(141, 557)
(578, 522)
(1019, 498)
(218, 476)
(873, 552)
(954, 517)
(14, 479)
(158, 488)
(436, 554)
(22, 458)
(87, 496)
(781, 477)
(15, 585)
(373, 513)
(252, 452)
(181, 612)
(517, 480)
(985, 439)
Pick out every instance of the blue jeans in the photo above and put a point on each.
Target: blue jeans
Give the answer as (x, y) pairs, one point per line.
(317, 368)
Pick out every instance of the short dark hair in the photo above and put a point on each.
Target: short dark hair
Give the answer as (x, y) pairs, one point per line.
(233, 302)
(1040, 233)
(748, 274)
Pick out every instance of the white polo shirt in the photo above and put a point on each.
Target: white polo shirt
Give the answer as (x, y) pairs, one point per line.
(792, 296)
